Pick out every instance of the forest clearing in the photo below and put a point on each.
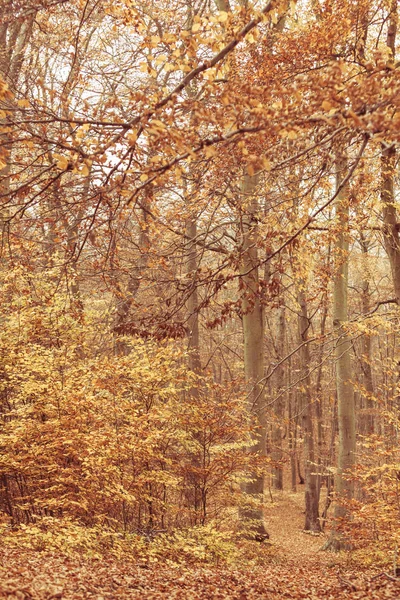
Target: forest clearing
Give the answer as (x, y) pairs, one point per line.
(199, 299)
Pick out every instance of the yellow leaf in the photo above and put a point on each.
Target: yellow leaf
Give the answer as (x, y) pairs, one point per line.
(23, 103)
(326, 105)
(144, 177)
(210, 151)
(196, 27)
(143, 67)
(292, 135)
(222, 16)
(61, 162)
(169, 38)
(132, 137)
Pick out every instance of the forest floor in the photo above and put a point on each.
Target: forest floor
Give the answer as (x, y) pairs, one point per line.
(294, 567)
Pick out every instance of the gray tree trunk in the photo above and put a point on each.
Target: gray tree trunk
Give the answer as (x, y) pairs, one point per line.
(14, 38)
(276, 450)
(367, 420)
(312, 522)
(193, 300)
(344, 487)
(388, 161)
(253, 335)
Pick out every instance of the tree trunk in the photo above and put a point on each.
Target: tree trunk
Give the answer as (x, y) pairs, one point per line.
(320, 359)
(14, 37)
(367, 420)
(292, 434)
(193, 301)
(253, 334)
(223, 5)
(344, 487)
(276, 451)
(319, 389)
(388, 162)
(312, 522)
(391, 234)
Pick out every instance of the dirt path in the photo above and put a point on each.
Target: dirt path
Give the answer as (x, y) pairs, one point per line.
(285, 523)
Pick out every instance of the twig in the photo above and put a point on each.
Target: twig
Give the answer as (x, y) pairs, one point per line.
(349, 584)
(391, 577)
(383, 574)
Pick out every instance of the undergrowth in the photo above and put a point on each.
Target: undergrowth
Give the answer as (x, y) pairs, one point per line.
(196, 545)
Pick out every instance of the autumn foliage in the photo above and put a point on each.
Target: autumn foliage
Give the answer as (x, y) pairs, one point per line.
(134, 442)
(200, 282)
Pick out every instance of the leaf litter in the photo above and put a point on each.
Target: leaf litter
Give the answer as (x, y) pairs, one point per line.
(294, 567)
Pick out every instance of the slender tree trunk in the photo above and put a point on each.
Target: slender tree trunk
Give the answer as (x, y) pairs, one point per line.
(312, 522)
(193, 301)
(319, 391)
(388, 162)
(253, 334)
(14, 38)
(388, 199)
(276, 451)
(199, 463)
(391, 234)
(344, 487)
(292, 432)
(367, 420)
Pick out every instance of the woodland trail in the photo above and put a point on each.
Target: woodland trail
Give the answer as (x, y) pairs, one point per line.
(285, 524)
(293, 568)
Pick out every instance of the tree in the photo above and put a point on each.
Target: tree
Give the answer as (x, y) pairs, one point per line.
(252, 311)
(388, 162)
(344, 486)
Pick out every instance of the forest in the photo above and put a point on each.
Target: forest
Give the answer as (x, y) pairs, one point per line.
(199, 299)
